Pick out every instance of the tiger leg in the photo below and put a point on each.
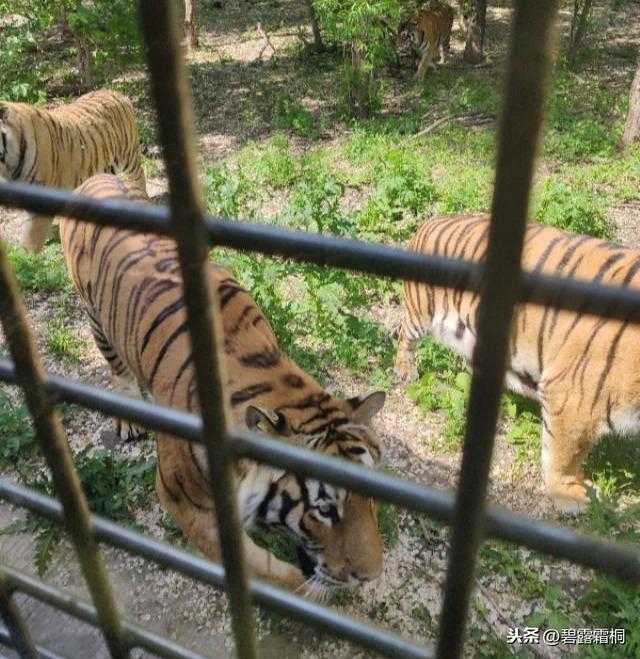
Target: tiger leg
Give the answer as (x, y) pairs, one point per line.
(412, 330)
(426, 60)
(35, 230)
(566, 442)
(183, 490)
(122, 382)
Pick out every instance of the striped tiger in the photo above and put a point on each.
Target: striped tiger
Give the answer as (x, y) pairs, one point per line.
(131, 287)
(581, 368)
(63, 147)
(426, 34)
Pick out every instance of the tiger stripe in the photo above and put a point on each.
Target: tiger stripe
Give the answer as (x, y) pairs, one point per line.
(424, 35)
(65, 146)
(582, 369)
(131, 287)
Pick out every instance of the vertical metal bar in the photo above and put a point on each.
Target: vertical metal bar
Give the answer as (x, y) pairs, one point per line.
(51, 436)
(10, 612)
(529, 65)
(175, 121)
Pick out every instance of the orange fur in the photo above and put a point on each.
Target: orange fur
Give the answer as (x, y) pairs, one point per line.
(582, 369)
(63, 147)
(426, 33)
(131, 286)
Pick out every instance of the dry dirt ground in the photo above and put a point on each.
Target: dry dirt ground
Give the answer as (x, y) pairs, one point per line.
(227, 118)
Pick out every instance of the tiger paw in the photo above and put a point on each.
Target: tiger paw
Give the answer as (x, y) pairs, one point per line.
(126, 431)
(404, 372)
(573, 498)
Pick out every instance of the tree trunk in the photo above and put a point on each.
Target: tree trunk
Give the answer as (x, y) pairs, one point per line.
(579, 22)
(474, 48)
(359, 85)
(190, 27)
(317, 36)
(632, 125)
(84, 61)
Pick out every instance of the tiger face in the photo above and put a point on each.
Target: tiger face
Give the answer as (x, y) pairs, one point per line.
(14, 144)
(407, 38)
(336, 531)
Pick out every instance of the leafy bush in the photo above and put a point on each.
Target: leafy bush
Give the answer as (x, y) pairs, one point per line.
(402, 190)
(112, 484)
(107, 28)
(292, 115)
(580, 211)
(18, 443)
(363, 27)
(45, 272)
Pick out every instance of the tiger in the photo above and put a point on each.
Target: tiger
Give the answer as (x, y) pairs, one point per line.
(131, 288)
(583, 370)
(426, 34)
(63, 147)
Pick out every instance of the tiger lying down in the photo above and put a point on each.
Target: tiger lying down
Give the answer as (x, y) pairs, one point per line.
(63, 147)
(131, 287)
(582, 369)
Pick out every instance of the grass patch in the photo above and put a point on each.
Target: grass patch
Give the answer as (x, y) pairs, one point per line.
(63, 343)
(45, 272)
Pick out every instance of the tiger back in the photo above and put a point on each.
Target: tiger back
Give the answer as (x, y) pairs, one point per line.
(65, 146)
(584, 370)
(425, 34)
(132, 291)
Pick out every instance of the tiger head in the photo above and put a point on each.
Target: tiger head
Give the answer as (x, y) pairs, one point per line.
(407, 38)
(336, 531)
(15, 155)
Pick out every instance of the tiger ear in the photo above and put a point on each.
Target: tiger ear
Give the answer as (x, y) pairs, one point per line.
(366, 407)
(261, 420)
(4, 111)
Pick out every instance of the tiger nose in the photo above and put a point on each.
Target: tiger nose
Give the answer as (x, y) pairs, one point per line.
(370, 570)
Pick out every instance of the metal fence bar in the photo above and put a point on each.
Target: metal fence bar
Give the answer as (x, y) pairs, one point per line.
(529, 66)
(43, 653)
(133, 635)
(370, 258)
(264, 594)
(616, 559)
(172, 96)
(16, 626)
(53, 442)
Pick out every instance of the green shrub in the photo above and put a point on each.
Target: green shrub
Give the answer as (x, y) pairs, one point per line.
(45, 272)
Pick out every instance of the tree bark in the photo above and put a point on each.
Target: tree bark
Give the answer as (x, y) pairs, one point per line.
(359, 86)
(579, 21)
(474, 47)
(84, 61)
(315, 28)
(190, 28)
(632, 125)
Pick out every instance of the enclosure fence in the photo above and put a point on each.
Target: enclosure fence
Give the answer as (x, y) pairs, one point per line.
(499, 282)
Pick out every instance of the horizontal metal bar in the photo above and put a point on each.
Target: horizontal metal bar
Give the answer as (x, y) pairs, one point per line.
(147, 414)
(616, 559)
(320, 617)
(5, 639)
(133, 635)
(370, 258)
